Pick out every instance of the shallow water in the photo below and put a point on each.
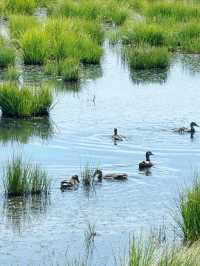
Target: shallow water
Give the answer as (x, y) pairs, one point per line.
(145, 106)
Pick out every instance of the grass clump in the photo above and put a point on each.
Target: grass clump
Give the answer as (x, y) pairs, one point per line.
(20, 24)
(21, 179)
(189, 207)
(21, 6)
(70, 69)
(7, 54)
(35, 46)
(88, 176)
(147, 57)
(139, 33)
(24, 102)
(176, 11)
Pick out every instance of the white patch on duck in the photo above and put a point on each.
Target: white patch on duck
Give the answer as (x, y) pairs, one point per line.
(72, 183)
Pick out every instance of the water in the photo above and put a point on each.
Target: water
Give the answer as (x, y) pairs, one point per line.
(144, 106)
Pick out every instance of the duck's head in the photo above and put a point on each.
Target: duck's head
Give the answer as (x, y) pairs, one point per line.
(75, 178)
(193, 124)
(99, 174)
(148, 154)
(115, 131)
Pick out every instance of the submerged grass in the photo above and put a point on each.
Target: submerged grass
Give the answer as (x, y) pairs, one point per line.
(147, 57)
(11, 74)
(7, 54)
(24, 102)
(21, 179)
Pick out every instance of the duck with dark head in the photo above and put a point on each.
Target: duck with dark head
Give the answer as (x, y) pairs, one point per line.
(146, 163)
(116, 136)
(190, 130)
(110, 176)
(72, 183)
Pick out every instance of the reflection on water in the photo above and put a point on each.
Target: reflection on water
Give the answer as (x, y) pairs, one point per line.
(21, 130)
(20, 212)
(190, 63)
(92, 72)
(149, 76)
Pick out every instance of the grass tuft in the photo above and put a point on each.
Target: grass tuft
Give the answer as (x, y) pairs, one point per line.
(21, 179)
(24, 102)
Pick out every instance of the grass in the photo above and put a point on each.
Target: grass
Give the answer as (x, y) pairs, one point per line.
(87, 176)
(11, 74)
(35, 45)
(140, 33)
(19, 24)
(21, 6)
(7, 54)
(189, 208)
(70, 70)
(24, 102)
(21, 179)
(147, 57)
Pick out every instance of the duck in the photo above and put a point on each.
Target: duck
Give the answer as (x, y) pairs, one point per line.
(110, 176)
(72, 183)
(183, 130)
(147, 163)
(116, 136)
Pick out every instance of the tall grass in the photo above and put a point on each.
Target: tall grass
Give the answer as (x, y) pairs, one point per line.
(139, 33)
(21, 23)
(147, 57)
(24, 102)
(7, 54)
(35, 45)
(21, 6)
(11, 74)
(189, 208)
(21, 178)
(70, 69)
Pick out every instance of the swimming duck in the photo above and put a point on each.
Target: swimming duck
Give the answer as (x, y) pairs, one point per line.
(72, 183)
(116, 136)
(110, 176)
(182, 130)
(146, 164)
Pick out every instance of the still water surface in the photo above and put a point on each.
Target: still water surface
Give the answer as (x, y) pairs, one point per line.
(145, 106)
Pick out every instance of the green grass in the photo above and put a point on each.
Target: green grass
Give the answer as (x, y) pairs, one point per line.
(178, 11)
(22, 178)
(139, 33)
(21, 23)
(87, 176)
(70, 69)
(11, 74)
(189, 208)
(7, 54)
(35, 45)
(24, 102)
(21, 6)
(147, 57)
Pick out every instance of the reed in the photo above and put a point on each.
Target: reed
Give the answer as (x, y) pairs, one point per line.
(24, 102)
(189, 208)
(147, 57)
(87, 176)
(19, 24)
(22, 178)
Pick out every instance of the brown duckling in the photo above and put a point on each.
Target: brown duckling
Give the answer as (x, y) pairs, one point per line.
(72, 183)
(147, 163)
(110, 176)
(116, 136)
(183, 130)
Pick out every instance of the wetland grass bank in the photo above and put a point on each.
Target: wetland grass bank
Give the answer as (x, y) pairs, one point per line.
(63, 39)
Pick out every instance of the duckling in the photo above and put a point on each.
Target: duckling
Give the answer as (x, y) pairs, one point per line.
(72, 183)
(146, 164)
(116, 136)
(182, 130)
(110, 176)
